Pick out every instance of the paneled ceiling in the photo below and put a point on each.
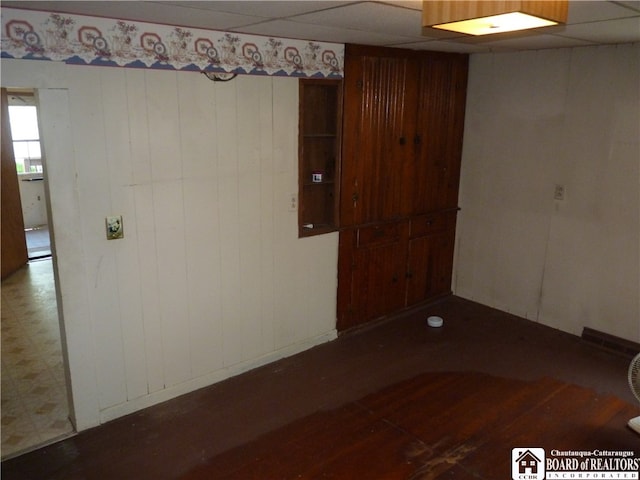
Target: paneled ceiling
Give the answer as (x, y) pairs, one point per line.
(393, 23)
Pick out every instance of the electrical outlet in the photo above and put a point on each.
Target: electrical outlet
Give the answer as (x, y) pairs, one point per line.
(114, 227)
(558, 193)
(293, 202)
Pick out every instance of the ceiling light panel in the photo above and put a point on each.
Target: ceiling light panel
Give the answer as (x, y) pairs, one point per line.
(492, 17)
(507, 22)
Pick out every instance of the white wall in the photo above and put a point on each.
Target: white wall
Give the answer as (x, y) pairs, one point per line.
(534, 120)
(210, 278)
(33, 200)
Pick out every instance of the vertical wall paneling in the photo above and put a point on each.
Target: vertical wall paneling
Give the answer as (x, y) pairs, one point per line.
(148, 290)
(119, 165)
(248, 104)
(267, 201)
(144, 226)
(172, 281)
(166, 157)
(324, 251)
(537, 119)
(291, 275)
(69, 250)
(137, 115)
(95, 203)
(210, 278)
(228, 188)
(202, 226)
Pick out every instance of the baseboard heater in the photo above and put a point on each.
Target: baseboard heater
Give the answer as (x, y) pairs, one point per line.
(610, 342)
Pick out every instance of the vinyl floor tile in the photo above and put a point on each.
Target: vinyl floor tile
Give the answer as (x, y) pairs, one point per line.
(34, 400)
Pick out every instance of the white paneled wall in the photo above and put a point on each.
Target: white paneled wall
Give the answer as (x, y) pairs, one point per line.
(33, 200)
(534, 120)
(210, 278)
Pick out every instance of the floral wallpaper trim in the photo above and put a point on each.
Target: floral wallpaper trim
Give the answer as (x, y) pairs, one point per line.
(85, 40)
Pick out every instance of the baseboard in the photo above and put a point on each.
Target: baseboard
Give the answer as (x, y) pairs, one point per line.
(375, 322)
(611, 342)
(134, 405)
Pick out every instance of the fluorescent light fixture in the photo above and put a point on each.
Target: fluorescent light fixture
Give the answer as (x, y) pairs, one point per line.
(507, 22)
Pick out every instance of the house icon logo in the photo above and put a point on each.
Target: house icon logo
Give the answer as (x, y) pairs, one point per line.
(527, 464)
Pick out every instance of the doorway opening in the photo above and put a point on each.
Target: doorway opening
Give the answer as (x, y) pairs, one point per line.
(27, 149)
(35, 403)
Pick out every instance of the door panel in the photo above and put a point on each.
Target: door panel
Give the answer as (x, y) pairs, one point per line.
(379, 120)
(442, 98)
(379, 270)
(374, 282)
(429, 266)
(14, 245)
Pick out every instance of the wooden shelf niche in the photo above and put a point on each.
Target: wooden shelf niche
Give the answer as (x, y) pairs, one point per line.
(320, 125)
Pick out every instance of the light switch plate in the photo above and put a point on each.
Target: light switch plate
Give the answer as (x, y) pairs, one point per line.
(293, 202)
(114, 227)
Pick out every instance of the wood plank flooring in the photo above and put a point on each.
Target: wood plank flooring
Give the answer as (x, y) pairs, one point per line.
(396, 400)
(441, 425)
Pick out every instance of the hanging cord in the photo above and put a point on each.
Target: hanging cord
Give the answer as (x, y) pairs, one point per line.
(219, 76)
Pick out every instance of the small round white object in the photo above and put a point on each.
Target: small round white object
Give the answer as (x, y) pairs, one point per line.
(435, 322)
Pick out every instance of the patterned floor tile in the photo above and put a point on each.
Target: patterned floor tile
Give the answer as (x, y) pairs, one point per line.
(34, 401)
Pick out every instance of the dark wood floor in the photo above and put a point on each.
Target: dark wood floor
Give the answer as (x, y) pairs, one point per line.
(399, 400)
(437, 425)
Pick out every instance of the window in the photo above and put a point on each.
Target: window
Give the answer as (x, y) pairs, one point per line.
(23, 117)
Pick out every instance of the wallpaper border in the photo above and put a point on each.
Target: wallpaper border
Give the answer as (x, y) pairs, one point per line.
(87, 40)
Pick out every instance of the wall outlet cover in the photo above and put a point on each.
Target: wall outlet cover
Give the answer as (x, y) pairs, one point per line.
(114, 227)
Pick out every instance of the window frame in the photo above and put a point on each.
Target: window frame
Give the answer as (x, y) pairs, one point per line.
(32, 165)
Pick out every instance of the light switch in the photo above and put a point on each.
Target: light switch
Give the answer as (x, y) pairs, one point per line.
(114, 227)
(293, 202)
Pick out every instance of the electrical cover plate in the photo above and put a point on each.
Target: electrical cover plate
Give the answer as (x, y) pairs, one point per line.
(114, 227)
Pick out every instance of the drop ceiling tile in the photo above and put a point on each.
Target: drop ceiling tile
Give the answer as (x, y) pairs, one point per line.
(265, 9)
(582, 11)
(305, 31)
(381, 22)
(613, 31)
(635, 5)
(156, 12)
(413, 4)
(536, 42)
(369, 17)
(443, 46)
